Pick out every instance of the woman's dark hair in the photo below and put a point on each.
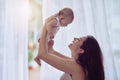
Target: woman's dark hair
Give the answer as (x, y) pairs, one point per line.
(91, 60)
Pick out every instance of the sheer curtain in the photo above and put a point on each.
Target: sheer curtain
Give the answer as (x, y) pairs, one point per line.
(91, 17)
(13, 39)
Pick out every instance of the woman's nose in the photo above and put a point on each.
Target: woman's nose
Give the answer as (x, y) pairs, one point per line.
(75, 38)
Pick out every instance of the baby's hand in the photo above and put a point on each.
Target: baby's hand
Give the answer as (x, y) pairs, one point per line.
(51, 36)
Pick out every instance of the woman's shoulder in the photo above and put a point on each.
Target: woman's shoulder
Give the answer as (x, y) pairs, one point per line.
(67, 76)
(79, 72)
(78, 67)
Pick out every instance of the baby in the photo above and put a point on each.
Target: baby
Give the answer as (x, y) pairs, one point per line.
(53, 23)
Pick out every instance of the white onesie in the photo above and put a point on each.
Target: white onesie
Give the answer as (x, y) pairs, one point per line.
(66, 76)
(54, 30)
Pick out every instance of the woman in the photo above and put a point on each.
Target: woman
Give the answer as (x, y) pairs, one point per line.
(85, 64)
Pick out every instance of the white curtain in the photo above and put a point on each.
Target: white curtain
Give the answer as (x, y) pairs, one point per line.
(13, 39)
(92, 17)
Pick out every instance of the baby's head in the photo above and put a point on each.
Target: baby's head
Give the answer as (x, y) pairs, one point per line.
(66, 16)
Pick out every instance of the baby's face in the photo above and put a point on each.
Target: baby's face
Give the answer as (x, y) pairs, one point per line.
(65, 21)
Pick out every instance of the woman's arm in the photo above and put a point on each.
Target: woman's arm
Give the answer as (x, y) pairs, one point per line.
(60, 55)
(52, 51)
(66, 65)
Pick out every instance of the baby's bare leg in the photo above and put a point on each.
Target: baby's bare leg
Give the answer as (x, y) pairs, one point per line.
(38, 61)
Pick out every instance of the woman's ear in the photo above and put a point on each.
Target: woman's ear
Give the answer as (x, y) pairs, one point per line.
(81, 51)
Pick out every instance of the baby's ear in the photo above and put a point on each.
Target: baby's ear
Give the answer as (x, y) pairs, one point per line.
(61, 17)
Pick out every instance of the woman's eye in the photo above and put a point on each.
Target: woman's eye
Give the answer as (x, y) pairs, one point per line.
(79, 39)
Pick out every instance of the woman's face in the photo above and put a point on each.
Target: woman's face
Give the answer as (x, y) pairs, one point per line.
(75, 46)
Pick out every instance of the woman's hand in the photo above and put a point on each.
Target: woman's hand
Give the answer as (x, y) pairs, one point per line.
(50, 45)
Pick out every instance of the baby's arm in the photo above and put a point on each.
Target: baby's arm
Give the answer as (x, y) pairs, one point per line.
(51, 18)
